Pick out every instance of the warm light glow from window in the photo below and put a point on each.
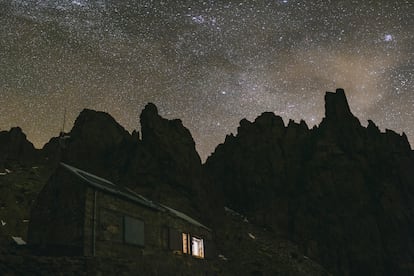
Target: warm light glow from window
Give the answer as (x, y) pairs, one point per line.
(186, 245)
(197, 247)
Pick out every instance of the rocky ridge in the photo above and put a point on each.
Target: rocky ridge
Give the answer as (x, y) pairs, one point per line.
(162, 165)
(340, 191)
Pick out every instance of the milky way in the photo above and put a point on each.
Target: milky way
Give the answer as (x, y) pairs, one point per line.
(209, 63)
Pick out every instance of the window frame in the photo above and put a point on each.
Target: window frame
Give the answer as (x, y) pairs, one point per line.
(125, 217)
(201, 241)
(186, 243)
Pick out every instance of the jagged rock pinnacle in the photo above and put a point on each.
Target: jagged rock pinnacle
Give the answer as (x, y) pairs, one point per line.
(150, 109)
(336, 105)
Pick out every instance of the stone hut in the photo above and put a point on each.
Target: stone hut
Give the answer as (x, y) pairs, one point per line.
(78, 213)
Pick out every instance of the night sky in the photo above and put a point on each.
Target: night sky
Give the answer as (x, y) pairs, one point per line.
(209, 63)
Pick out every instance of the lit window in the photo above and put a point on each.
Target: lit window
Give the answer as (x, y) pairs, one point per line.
(186, 243)
(197, 247)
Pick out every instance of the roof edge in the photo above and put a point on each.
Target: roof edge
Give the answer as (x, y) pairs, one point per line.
(110, 187)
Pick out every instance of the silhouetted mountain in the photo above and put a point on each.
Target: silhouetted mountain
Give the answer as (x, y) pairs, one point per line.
(342, 191)
(164, 165)
(94, 143)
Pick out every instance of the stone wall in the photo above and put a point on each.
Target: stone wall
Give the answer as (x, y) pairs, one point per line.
(110, 211)
(56, 223)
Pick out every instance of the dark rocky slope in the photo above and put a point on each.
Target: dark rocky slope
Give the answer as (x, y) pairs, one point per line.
(165, 167)
(15, 148)
(343, 192)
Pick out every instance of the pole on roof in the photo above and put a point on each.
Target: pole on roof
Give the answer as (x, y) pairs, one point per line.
(62, 136)
(64, 121)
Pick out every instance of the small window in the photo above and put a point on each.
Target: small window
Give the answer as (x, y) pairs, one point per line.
(134, 231)
(186, 243)
(197, 247)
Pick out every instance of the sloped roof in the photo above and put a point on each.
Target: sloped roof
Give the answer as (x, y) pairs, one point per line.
(107, 186)
(185, 217)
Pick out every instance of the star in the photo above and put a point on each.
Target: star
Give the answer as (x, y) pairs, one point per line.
(388, 38)
(198, 19)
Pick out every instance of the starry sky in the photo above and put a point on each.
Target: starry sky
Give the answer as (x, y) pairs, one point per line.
(209, 63)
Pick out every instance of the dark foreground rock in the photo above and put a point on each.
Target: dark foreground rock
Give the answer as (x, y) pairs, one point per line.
(36, 265)
(244, 249)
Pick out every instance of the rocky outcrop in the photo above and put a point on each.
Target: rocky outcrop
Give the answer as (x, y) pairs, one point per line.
(164, 165)
(172, 147)
(96, 143)
(14, 147)
(167, 167)
(342, 191)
